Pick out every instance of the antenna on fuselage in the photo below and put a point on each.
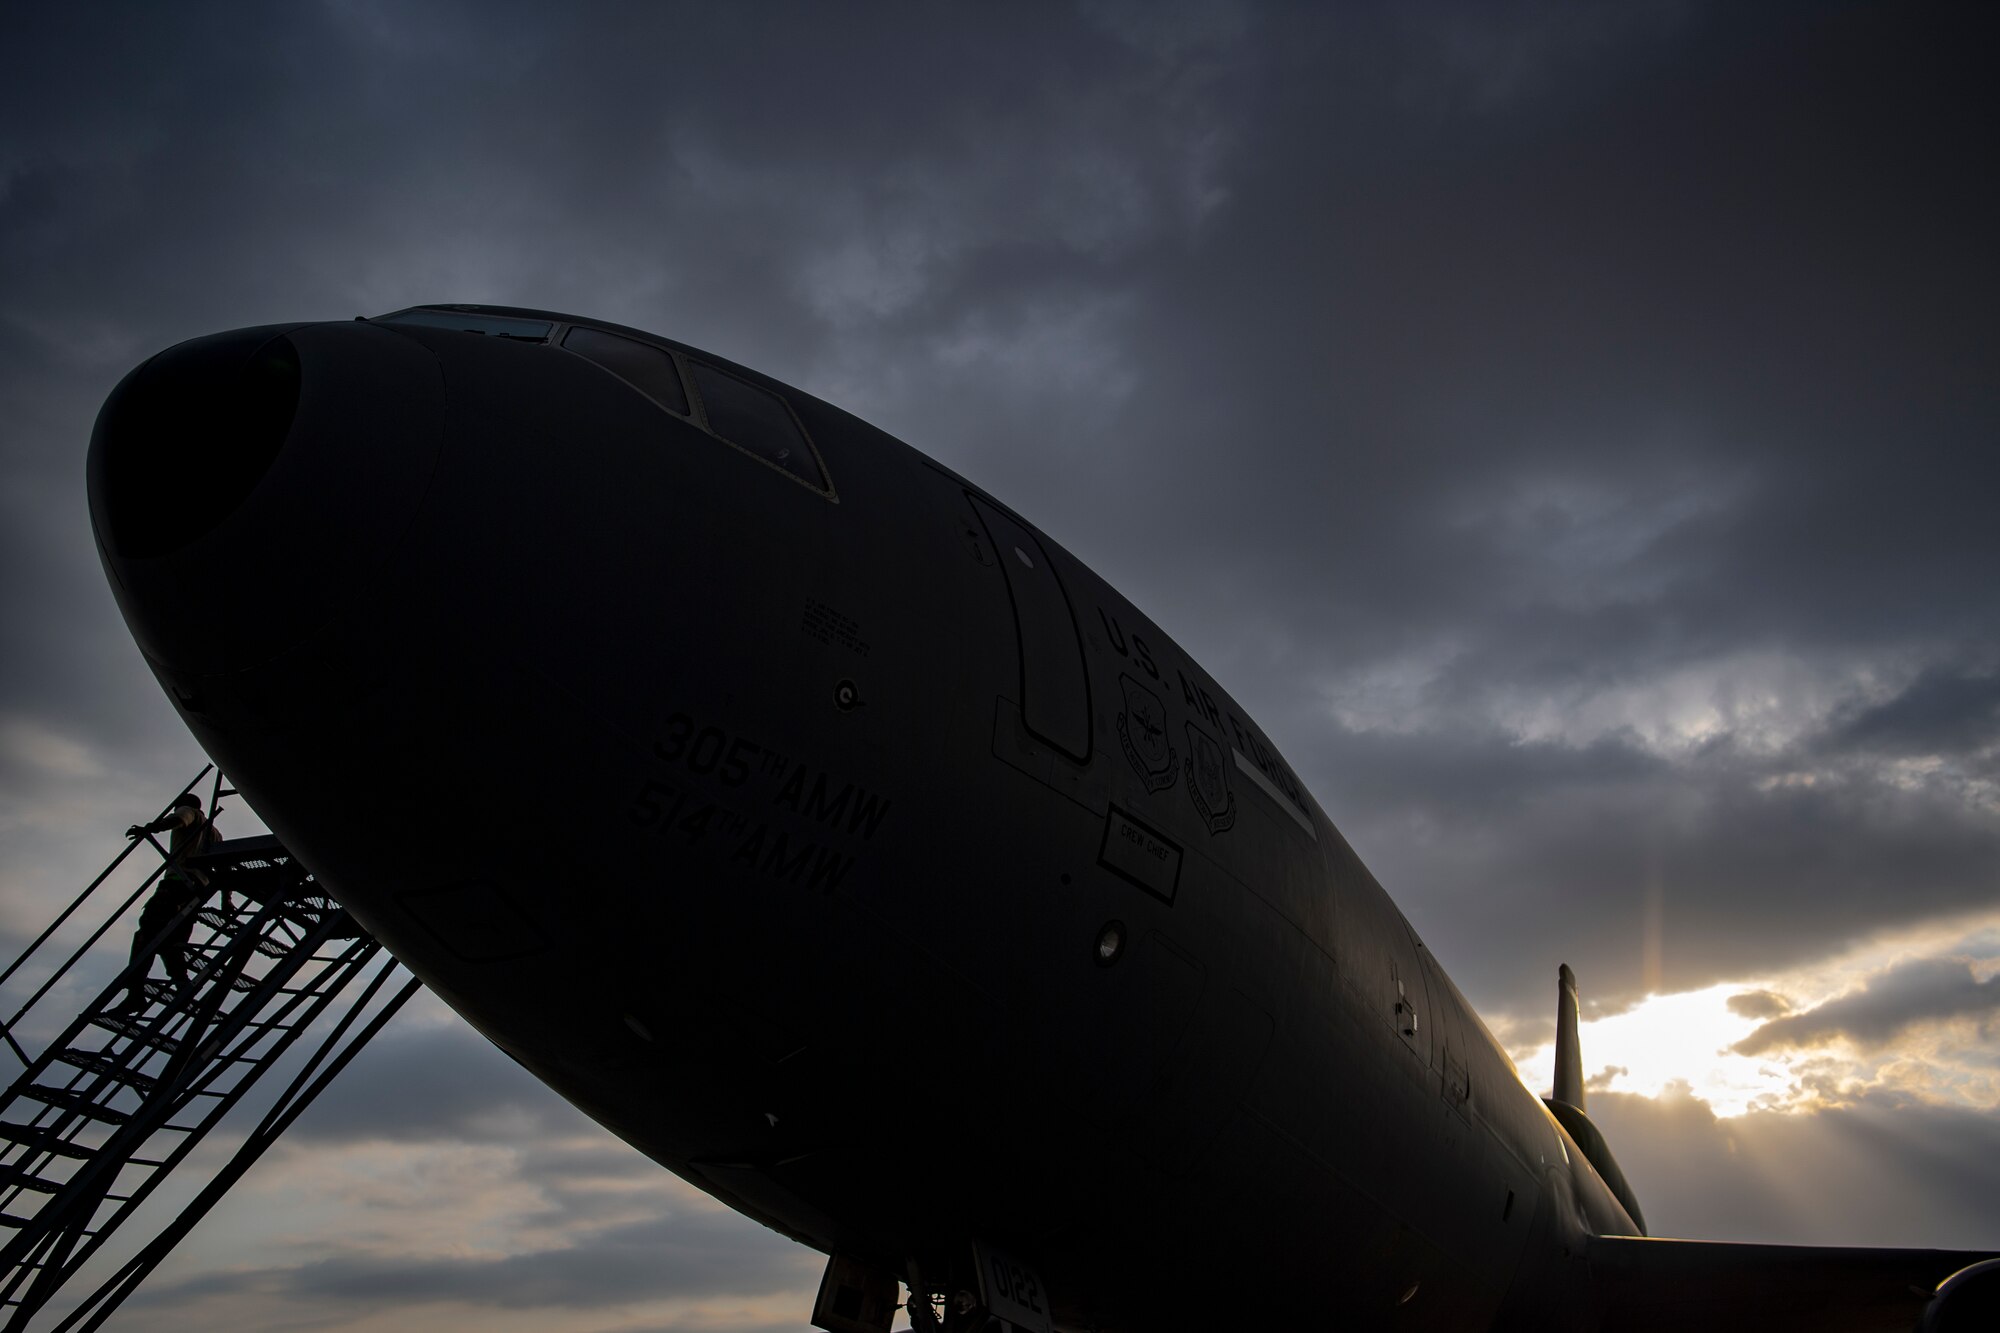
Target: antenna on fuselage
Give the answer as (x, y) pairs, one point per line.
(1569, 1054)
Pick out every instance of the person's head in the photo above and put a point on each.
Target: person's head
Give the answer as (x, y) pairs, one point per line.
(188, 799)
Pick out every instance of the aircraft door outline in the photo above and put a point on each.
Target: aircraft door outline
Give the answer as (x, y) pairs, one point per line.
(1055, 683)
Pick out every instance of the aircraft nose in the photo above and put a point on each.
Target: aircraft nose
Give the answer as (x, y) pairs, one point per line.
(243, 486)
(186, 437)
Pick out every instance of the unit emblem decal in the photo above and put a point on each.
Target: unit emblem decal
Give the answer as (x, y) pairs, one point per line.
(1142, 730)
(1208, 780)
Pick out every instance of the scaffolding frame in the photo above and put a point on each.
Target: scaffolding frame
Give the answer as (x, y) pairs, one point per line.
(121, 1097)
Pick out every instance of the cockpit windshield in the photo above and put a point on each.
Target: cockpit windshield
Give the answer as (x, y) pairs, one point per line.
(754, 419)
(648, 369)
(493, 326)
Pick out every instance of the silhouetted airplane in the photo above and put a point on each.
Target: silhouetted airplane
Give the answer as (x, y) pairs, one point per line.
(807, 818)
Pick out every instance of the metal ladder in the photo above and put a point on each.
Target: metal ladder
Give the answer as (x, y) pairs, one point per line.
(127, 1090)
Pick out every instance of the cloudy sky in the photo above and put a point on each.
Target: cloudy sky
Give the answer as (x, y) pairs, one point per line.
(1572, 431)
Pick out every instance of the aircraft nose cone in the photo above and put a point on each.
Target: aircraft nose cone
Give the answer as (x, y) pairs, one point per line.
(243, 486)
(186, 437)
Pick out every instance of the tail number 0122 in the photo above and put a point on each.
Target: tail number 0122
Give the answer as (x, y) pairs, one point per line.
(1013, 1291)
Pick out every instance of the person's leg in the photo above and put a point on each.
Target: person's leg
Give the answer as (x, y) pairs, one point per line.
(173, 950)
(159, 909)
(142, 935)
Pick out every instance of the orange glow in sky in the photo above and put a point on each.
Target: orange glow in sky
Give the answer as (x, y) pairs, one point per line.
(1684, 1041)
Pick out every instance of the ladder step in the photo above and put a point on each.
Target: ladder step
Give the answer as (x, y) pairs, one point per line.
(97, 1062)
(128, 1025)
(72, 1100)
(38, 1138)
(232, 994)
(130, 1020)
(239, 982)
(265, 944)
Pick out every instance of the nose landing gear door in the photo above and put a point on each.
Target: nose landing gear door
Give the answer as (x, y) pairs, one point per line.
(1055, 689)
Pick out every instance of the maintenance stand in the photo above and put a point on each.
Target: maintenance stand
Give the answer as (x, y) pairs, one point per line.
(123, 1094)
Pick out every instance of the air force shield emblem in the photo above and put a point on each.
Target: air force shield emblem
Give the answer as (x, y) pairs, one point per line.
(1208, 780)
(1142, 730)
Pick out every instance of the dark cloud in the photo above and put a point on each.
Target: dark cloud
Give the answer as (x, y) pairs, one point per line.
(1602, 1079)
(1461, 364)
(435, 1083)
(1566, 428)
(1922, 990)
(1759, 1004)
(1941, 713)
(1884, 1170)
(696, 1255)
(686, 1256)
(1720, 860)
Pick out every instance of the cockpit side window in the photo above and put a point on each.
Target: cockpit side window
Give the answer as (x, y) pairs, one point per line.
(493, 326)
(757, 422)
(648, 369)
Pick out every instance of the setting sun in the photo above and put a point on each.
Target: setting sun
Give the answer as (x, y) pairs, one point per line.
(1688, 1042)
(1668, 1041)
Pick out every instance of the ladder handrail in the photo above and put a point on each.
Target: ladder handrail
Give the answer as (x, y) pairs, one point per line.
(102, 875)
(305, 1087)
(7, 1027)
(279, 953)
(144, 960)
(131, 975)
(222, 971)
(77, 1209)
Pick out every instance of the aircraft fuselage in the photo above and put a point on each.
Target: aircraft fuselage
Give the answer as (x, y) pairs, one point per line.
(825, 831)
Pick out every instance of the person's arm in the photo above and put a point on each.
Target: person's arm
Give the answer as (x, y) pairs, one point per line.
(180, 814)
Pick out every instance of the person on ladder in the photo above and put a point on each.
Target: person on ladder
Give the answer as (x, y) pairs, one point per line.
(180, 887)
